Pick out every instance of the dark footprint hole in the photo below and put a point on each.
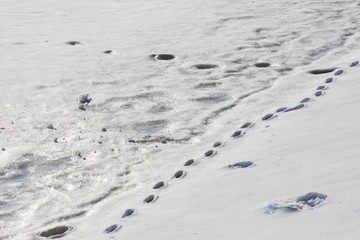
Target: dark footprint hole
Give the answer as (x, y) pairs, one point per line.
(189, 162)
(311, 199)
(329, 80)
(108, 51)
(338, 72)
(159, 185)
(205, 66)
(243, 164)
(322, 71)
(149, 199)
(165, 57)
(320, 88)
(295, 108)
(246, 125)
(237, 133)
(73, 43)
(209, 153)
(281, 109)
(267, 116)
(112, 228)
(353, 64)
(179, 174)
(262, 65)
(128, 213)
(217, 144)
(56, 232)
(305, 100)
(318, 93)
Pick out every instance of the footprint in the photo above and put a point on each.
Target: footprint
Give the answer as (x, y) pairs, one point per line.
(209, 153)
(295, 108)
(205, 66)
(329, 80)
(267, 116)
(305, 100)
(179, 174)
(246, 125)
(353, 64)
(162, 56)
(150, 199)
(112, 228)
(322, 71)
(73, 43)
(189, 162)
(56, 232)
(159, 185)
(237, 134)
(321, 88)
(262, 65)
(311, 199)
(281, 109)
(128, 213)
(217, 144)
(243, 164)
(319, 93)
(338, 72)
(108, 51)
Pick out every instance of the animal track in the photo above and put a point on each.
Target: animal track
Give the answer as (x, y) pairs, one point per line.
(329, 80)
(209, 153)
(112, 228)
(56, 232)
(189, 162)
(338, 72)
(295, 108)
(267, 116)
(353, 64)
(246, 125)
(128, 213)
(217, 144)
(262, 65)
(150, 199)
(179, 174)
(318, 93)
(165, 57)
(159, 185)
(322, 71)
(321, 88)
(243, 164)
(238, 133)
(205, 66)
(281, 109)
(73, 43)
(311, 199)
(305, 100)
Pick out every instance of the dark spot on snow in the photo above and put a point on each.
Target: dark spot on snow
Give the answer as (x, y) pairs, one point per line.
(209, 153)
(82, 107)
(108, 51)
(353, 64)
(128, 213)
(322, 71)
(189, 162)
(112, 228)
(73, 43)
(305, 100)
(56, 232)
(163, 140)
(243, 164)
(3, 149)
(50, 126)
(165, 56)
(320, 88)
(237, 133)
(103, 129)
(217, 144)
(267, 116)
(131, 141)
(246, 125)
(311, 199)
(318, 93)
(56, 140)
(159, 185)
(151, 198)
(179, 174)
(205, 66)
(85, 99)
(338, 72)
(329, 80)
(281, 109)
(295, 108)
(262, 65)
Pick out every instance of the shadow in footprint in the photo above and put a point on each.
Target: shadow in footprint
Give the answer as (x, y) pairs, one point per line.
(295, 108)
(246, 125)
(329, 80)
(205, 66)
(108, 51)
(56, 232)
(243, 164)
(262, 65)
(353, 64)
(112, 228)
(311, 199)
(267, 116)
(209, 153)
(338, 72)
(128, 213)
(281, 109)
(165, 57)
(73, 43)
(189, 162)
(159, 185)
(179, 174)
(322, 71)
(217, 144)
(318, 93)
(305, 100)
(150, 199)
(321, 88)
(236, 134)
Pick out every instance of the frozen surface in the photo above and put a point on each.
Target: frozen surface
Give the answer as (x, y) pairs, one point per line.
(165, 81)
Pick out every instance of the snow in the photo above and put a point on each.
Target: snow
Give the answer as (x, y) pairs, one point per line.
(92, 117)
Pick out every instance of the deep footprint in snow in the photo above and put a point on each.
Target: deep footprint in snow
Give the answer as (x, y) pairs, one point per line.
(73, 43)
(338, 72)
(295, 108)
(56, 232)
(159, 185)
(243, 164)
(281, 109)
(267, 116)
(305, 100)
(179, 174)
(311, 199)
(318, 93)
(322, 71)
(217, 144)
(165, 57)
(150, 199)
(329, 80)
(209, 153)
(321, 88)
(246, 125)
(108, 51)
(128, 213)
(205, 66)
(237, 134)
(112, 228)
(189, 162)
(262, 65)
(353, 64)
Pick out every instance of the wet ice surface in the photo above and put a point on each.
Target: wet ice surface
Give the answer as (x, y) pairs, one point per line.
(52, 56)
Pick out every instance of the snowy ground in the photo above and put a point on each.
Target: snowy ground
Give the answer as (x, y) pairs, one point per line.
(78, 174)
